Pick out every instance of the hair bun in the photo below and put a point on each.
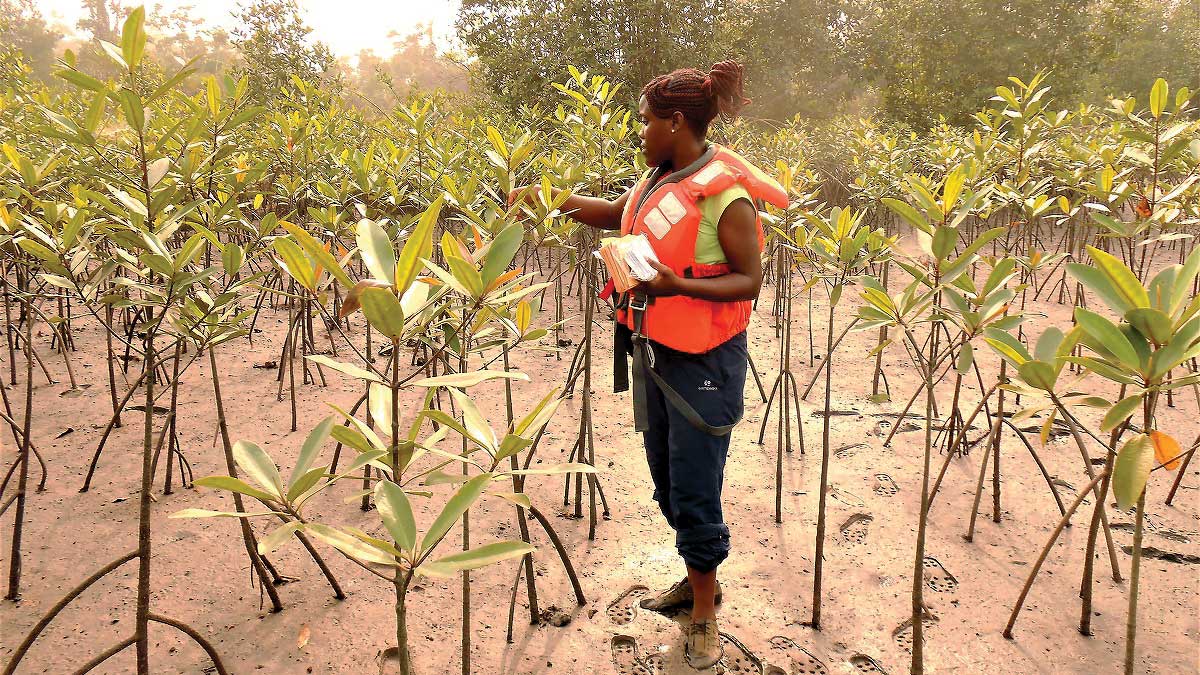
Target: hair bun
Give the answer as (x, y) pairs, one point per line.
(725, 83)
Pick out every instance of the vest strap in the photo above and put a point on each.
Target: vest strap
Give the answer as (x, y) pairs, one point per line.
(643, 363)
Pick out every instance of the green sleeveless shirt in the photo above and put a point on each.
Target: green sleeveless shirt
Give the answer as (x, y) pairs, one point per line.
(708, 246)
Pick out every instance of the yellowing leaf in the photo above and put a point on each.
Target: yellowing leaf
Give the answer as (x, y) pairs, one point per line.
(1132, 470)
(352, 302)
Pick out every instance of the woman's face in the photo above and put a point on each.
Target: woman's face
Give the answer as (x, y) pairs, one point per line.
(656, 135)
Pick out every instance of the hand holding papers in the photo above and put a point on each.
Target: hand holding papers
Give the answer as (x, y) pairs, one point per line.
(627, 259)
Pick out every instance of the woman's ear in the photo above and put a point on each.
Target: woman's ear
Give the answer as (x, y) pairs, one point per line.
(677, 121)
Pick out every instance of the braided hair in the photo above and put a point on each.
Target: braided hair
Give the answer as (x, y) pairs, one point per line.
(699, 97)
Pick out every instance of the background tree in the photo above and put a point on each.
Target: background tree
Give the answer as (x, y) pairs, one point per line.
(627, 41)
(816, 74)
(101, 20)
(1132, 44)
(181, 36)
(273, 41)
(22, 28)
(926, 57)
(415, 64)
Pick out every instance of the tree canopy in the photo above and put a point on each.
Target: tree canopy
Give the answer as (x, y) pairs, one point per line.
(911, 60)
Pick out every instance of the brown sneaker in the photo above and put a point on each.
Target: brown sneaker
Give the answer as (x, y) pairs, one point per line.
(703, 648)
(676, 597)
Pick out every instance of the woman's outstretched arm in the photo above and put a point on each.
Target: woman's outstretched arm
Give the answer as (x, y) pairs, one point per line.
(592, 211)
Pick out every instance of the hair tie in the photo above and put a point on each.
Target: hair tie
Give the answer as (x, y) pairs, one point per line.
(707, 86)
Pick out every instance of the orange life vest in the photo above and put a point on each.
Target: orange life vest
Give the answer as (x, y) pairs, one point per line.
(668, 215)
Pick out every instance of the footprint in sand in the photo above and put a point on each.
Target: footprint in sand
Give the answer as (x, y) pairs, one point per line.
(865, 664)
(884, 485)
(847, 451)
(855, 529)
(655, 664)
(622, 610)
(738, 660)
(625, 656)
(1173, 535)
(903, 634)
(1167, 556)
(800, 661)
(846, 498)
(937, 577)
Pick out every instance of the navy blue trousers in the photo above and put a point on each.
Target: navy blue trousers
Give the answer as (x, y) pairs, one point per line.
(686, 464)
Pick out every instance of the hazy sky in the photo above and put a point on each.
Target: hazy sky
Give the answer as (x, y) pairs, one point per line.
(347, 26)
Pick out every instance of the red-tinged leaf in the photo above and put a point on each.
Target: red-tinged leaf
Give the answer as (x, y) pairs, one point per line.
(1166, 450)
(354, 297)
(503, 279)
(1143, 208)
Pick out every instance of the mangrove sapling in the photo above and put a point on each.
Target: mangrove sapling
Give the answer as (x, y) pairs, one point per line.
(211, 324)
(14, 560)
(598, 132)
(1159, 330)
(584, 449)
(217, 327)
(402, 554)
(974, 309)
(840, 248)
(1016, 128)
(918, 583)
(1040, 375)
(785, 254)
(785, 383)
(161, 285)
(922, 302)
(453, 318)
(526, 565)
(248, 538)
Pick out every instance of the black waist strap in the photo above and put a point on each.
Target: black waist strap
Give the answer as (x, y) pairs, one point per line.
(627, 342)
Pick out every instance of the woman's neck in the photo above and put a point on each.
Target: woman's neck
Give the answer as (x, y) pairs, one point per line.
(687, 153)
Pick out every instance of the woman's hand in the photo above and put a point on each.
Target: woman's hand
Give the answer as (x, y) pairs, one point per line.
(738, 233)
(666, 283)
(526, 194)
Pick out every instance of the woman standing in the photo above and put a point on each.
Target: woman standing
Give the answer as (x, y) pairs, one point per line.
(686, 329)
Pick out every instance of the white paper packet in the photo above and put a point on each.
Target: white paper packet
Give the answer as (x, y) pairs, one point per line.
(637, 254)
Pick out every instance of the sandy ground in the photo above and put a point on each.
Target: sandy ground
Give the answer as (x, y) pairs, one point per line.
(201, 576)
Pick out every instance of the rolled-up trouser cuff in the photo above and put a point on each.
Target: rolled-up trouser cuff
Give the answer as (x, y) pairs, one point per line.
(703, 547)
